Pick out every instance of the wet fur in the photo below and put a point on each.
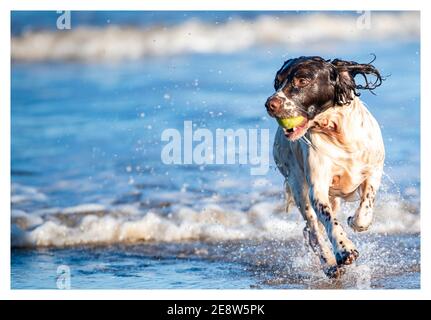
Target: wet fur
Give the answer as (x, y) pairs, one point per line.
(346, 156)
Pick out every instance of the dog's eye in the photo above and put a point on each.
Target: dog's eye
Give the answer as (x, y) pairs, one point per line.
(300, 82)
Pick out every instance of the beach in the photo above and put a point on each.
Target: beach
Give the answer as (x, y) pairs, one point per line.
(90, 190)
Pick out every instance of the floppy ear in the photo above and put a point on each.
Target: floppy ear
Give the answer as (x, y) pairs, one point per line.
(345, 85)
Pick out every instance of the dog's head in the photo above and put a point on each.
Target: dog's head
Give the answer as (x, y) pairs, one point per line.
(307, 86)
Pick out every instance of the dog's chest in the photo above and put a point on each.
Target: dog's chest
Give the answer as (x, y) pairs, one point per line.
(346, 170)
(344, 184)
(348, 167)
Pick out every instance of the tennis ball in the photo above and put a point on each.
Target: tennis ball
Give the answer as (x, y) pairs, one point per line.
(290, 123)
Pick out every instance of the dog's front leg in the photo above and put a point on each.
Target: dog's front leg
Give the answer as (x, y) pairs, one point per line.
(319, 180)
(364, 215)
(313, 231)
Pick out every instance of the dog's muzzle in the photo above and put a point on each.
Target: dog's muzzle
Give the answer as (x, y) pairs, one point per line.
(274, 105)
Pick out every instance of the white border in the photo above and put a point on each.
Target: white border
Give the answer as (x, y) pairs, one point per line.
(7, 6)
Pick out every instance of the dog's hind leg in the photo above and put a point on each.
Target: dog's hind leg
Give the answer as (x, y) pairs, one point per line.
(288, 195)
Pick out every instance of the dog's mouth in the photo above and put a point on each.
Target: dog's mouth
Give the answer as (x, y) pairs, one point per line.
(297, 131)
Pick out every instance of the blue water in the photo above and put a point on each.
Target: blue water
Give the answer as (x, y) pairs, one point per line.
(86, 123)
(90, 133)
(24, 21)
(124, 268)
(390, 262)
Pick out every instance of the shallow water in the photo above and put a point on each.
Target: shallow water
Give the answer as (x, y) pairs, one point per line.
(89, 189)
(386, 262)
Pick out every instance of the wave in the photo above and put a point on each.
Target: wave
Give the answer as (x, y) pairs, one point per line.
(87, 43)
(91, 224)
(21, 193)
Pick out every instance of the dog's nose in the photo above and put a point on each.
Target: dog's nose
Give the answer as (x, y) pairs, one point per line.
(274, 104)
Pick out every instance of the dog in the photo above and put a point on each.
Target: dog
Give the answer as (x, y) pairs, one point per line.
(337, 152)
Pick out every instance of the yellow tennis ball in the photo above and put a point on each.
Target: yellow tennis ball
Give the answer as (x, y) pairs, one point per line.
(290, 123)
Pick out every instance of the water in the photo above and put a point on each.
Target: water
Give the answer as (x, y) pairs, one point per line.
(388, 262)
(89, 189)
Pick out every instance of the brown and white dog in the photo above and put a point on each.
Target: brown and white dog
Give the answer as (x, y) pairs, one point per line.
(336, 153)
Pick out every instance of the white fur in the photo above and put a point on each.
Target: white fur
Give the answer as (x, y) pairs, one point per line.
(346, 159)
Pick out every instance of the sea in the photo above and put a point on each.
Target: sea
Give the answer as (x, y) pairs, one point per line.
(92, 198)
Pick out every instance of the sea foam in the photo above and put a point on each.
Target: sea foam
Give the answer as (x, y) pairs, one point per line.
(86, 43)
(264, 220)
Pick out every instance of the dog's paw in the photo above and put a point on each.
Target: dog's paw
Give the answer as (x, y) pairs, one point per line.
(334, 272)
(346, 257)
(355, 227)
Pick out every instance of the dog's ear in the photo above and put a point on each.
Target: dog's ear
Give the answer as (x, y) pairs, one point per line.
(278, 81)
(345, 73)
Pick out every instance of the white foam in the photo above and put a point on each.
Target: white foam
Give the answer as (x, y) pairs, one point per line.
(84, 208)
(25, 220)
(264, 220)
(211, 223)
(195, 36)
(21, 193)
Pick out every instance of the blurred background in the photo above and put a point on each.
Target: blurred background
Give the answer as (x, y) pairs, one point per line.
(89, 105)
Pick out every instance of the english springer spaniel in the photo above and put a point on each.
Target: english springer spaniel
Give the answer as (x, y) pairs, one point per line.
(335, 153)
